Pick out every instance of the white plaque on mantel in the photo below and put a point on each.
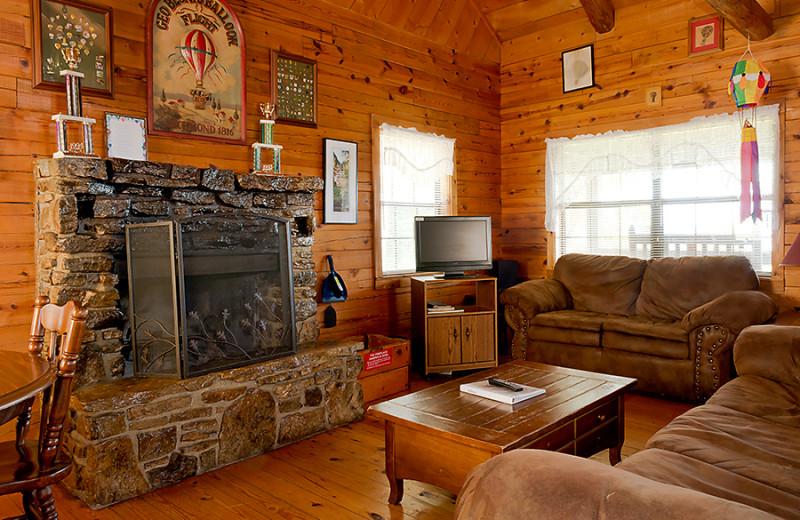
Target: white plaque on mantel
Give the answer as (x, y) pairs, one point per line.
(126, 137)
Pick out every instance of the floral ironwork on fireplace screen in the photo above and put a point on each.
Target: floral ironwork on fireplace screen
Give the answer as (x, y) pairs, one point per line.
(209, 293)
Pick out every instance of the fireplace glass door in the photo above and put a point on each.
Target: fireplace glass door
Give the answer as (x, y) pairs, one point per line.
(209, 293)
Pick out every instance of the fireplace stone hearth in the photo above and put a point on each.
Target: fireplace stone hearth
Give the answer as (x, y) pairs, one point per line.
(131, 435)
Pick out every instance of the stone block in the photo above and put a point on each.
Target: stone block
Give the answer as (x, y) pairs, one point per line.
(98, 299)
(193, 196)
(300, 425)
(292, 387)
(180, 467)
(99, 188)
(200, 425)
(106, 227)
(192, 413)
(97, 427)
(159, 407)
(158, 443)
(112, 334)
(144, 191)
(61, 295)
(186, 173)
(104, 319)
(114, 363)
(208, 461)
(200, 435)
(151, 208)
(344, 401)
(300, 199)
(85, 244)
(304, 278)
(86, 263)
(228, 394)
(237, 200)
(290, 405)
(110, 474)
(261, 182)
(199, 382)
(153, 168)
(218, 180)
(248, 427)
(313, 396)
(111, 208)
(304, 308)
(70, 279)
(148, 424)
(64, 214)
(307, 331)
(270, 200)
(73, 167)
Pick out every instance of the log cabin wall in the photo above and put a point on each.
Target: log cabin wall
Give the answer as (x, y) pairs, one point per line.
(647, 47)
(426, 67)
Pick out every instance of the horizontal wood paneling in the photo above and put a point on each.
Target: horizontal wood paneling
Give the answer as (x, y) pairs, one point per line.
(396, 59)
(647, 47)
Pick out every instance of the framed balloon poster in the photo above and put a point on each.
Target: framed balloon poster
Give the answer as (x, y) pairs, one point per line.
(62, 24)
(195, 71)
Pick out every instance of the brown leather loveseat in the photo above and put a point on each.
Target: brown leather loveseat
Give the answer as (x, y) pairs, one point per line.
(735, 457)
(669, 322)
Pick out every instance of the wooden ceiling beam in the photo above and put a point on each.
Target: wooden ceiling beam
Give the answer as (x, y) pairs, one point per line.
(747, 16)
(600, 13)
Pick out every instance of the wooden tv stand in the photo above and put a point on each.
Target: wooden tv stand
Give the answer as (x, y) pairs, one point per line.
(463, 340)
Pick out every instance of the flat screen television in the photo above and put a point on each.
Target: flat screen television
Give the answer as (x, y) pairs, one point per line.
(453, 245)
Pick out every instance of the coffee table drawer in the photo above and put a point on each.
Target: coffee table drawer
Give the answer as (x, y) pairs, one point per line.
(554, 440)
(604, 437)
(598, 416)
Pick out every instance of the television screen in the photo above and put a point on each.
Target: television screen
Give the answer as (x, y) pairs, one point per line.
(453, 244)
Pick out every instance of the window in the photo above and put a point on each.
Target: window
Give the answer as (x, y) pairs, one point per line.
(668, 191)
(415, 177)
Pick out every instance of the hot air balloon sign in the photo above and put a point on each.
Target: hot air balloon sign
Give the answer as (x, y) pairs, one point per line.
(195, 53)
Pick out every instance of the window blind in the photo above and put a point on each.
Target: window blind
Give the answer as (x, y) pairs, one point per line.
(667, 191)
(416, 172)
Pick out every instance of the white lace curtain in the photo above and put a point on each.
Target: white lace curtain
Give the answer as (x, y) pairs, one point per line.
(600, 189)
(416, 176)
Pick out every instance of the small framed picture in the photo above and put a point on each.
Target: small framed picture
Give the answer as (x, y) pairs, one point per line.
(70, 24)
(126, 137)
(705, 35)
(294, 89)
(577, 68)
(341, 182)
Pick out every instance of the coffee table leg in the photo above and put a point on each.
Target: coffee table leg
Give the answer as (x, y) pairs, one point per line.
(395, 484)
(615, 453)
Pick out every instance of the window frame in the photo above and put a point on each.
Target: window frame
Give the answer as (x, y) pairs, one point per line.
(385, 281)
(775, 281)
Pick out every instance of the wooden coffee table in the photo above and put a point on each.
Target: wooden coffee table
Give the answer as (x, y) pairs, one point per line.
(438, 435)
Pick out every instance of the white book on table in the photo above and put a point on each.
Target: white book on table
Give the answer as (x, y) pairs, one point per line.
(498, 393)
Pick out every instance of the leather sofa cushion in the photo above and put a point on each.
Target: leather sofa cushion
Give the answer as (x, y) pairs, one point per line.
(641, 326)
(671, 287)
(569, 319)
(645, 345)
(687, 472)
(775, 401)
(608, 284)
(569, 336)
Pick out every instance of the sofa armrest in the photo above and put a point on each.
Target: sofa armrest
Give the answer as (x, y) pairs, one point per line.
(537, 484)
(769, 351)
(536, 296)
(734, 310)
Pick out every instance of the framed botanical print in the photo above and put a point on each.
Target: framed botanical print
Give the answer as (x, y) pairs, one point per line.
(294, 89)
(341, 182)
(577, 68)
(62, 24)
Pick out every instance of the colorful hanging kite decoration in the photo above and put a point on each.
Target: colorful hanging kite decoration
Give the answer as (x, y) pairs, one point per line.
(749, 81)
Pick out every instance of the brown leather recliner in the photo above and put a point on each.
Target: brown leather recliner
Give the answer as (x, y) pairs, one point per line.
(669, 322)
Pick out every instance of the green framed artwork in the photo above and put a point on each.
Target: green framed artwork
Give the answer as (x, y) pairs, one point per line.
(58, 24)
(294, 89)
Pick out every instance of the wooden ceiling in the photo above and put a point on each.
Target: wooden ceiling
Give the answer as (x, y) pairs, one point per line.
(469, 25)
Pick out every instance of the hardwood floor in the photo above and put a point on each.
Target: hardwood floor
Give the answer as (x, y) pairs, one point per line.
(331, 476)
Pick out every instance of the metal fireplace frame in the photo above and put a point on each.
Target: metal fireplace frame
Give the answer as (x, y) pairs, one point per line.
(179, 306)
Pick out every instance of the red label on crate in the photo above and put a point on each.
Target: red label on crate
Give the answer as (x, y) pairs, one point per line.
(377, 359)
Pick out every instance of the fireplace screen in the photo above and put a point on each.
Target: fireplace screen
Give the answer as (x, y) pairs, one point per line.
(209, 293)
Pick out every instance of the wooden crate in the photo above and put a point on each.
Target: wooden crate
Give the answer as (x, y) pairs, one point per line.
(385, 369)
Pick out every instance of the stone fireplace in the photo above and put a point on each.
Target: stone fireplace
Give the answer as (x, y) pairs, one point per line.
(130, 435)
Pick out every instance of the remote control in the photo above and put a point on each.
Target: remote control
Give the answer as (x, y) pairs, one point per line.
(496, 381)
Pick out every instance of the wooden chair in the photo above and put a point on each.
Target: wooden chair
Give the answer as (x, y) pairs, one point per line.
(31, 466)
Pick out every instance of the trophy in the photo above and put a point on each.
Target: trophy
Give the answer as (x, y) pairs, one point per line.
(268, 114)
(74, 111)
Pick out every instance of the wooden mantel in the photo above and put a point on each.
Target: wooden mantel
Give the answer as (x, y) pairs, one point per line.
(747, 16)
